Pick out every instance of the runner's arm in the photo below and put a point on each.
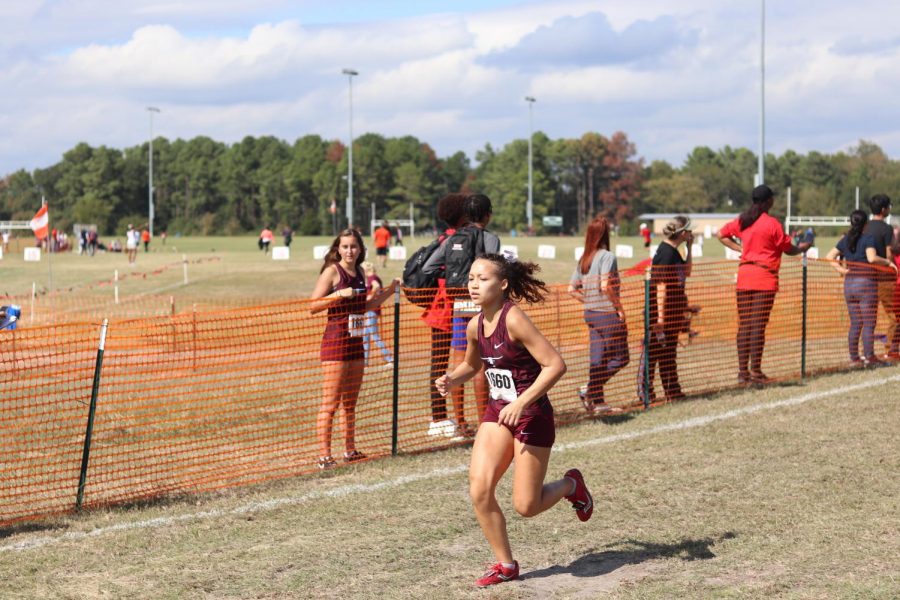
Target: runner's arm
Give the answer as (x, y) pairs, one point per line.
(467, 369)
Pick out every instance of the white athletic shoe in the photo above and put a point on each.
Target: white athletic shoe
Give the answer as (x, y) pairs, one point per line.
(446, 428)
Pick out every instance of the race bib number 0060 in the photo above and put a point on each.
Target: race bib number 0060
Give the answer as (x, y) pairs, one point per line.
(502, 385)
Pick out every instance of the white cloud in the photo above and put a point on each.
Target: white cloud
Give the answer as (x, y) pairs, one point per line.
(232, 68)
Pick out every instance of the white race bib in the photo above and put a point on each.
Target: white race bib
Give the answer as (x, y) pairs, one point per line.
(465, 306)
(356, 325)
(502, 385)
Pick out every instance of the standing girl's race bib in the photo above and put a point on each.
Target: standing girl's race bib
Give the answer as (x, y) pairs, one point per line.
(356, 325)
(501, 384)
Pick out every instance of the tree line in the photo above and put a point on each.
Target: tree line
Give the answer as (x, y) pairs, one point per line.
(207, 187)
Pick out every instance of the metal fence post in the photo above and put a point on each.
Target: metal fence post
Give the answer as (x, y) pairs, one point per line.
(646, 361)
(395, 418)
(95, 389)
(803, 322)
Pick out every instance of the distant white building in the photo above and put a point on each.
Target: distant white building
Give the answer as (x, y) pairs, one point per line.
(700, 221)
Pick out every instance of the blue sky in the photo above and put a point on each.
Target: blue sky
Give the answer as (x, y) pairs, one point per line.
(672, 75)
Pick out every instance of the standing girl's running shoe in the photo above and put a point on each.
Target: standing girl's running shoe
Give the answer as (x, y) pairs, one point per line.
(520, 366)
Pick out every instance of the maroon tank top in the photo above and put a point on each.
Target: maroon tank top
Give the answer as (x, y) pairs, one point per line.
(342, 340)
(354, 305)
(509, 367)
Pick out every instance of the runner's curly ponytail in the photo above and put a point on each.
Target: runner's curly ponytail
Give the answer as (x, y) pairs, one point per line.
(523, 285)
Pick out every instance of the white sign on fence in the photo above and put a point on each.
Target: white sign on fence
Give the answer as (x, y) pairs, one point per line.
(653, 249)
(624, 251)
(514, 250)
(1, 253)
(707, 231)
(697, 250)
(32, 254)
(319, 252)
(578, 252)
(732, 255)
(546, 251)
(397, 253)
(281, 253)
(812, 252)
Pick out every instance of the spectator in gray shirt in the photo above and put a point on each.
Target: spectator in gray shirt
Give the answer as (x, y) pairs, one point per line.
(595, 283)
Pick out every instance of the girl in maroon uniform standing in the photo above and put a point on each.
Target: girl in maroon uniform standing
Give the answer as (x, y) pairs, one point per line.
(341, 288)
(521, 366)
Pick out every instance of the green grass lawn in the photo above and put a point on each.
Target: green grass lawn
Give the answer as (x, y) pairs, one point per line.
(797, 500)
(232, 270)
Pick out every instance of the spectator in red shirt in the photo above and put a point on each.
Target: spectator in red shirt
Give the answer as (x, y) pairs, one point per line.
(763, 241)
(645, 233)
(382, 237)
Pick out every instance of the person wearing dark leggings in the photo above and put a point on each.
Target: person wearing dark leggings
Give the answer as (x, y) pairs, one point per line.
(668, 308)
(762, 242)
(754, 308)
(857, 251)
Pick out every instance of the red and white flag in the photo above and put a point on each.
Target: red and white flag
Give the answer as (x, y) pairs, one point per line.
(333, 208)
(40, 224)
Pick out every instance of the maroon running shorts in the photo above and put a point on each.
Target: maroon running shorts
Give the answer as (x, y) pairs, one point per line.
(536, 425)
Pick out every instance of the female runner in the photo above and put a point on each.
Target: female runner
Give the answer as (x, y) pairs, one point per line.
(521, 366)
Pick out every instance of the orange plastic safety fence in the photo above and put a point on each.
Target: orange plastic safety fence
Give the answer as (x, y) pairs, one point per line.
(202, 400)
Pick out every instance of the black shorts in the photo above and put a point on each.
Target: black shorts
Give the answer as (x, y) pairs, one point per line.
(381, 251)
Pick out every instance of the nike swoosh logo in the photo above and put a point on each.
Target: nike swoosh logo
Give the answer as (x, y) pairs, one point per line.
(497, 345)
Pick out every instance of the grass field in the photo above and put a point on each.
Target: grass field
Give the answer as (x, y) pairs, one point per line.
(230, 270)
(787, 492)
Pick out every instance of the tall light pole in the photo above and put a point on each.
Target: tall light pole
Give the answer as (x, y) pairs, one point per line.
(529, 208)
(151, 110)
(762, 95)
(350, 73)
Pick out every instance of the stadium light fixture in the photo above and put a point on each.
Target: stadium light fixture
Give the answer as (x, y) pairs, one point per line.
(350, 73)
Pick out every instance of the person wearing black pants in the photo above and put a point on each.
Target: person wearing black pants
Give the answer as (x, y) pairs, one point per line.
(668, 307)
(440, 358)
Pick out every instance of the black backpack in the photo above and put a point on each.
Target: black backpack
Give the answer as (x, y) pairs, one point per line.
(463, 247)
(420, 288)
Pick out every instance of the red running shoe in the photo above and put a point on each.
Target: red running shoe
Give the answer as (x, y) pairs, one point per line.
(581, 498)
(498, 574)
